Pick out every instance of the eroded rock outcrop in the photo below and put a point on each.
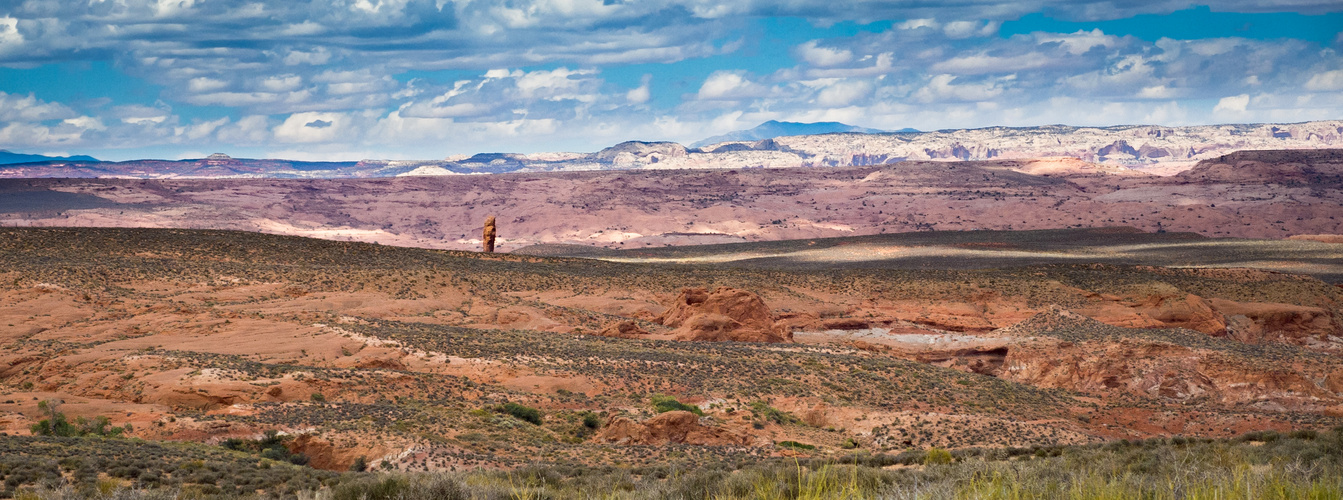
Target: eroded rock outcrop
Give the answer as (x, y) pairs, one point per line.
(1074, 352)
(725, 314)
(1265, 321)
(679, 427)
(624, 329)
(487, 238)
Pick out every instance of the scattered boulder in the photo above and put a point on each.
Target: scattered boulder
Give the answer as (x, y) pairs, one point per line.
(678, 427)
(725, 314)
(624, 329)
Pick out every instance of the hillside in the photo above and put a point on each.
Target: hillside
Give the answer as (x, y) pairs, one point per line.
(7, 157)
(688, 207)
(1149, 148)
(412, 357)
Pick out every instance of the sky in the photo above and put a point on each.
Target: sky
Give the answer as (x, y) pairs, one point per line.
(412, 79)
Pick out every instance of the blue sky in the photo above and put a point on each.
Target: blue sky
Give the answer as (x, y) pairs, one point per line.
(411, 79)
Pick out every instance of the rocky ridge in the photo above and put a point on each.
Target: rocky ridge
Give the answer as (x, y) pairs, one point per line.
(1153, 148)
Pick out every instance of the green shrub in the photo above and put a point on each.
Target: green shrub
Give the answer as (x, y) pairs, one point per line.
(663, 403)
(592, 421)
(521, 412)
(375, 488)
(360, 464)
(795, 445)
(937, 456)
(318, 397)
(769, 413)
(58, 425)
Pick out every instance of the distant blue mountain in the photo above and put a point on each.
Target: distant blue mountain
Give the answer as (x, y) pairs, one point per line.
(7, 157)
(772, 129)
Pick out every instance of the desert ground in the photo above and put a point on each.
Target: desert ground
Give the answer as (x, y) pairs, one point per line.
(878, 335)
(401, 355)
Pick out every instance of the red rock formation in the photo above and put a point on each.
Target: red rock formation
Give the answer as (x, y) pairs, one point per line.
(726, 314)
(1260, 321)
(624, 329)
(680, 427)
(1114, 362)
(487, 241)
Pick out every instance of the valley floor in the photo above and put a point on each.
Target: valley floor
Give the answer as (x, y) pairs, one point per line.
(580, 374)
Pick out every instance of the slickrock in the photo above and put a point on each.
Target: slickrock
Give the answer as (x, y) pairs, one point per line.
(1087, 355)
(725, 314)
(625, 329)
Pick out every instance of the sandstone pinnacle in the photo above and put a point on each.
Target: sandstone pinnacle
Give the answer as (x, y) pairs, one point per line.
(488, 240)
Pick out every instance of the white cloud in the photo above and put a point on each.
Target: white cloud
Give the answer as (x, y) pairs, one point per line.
(142, 115)
(203, 84)
(304, 28)
(17, 108)
(1079, 42)
(85, 122)
(282, 83)
(197, 131)
(640, 94)
(558, 83)
(823, 56)
(729, 85)
(944, 88)
(941, 65)
(315, 57)
(912, 24)
(170, 8)
(1157, 92)
(843, 93)
(967, 29)
(1328, 81)
(983, 63)
(248, 130)
(313, 127)
(1232, 104)
(10, 37)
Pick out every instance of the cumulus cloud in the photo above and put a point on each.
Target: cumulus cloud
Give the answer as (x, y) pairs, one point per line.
(640, 94)
(18, 108)
(312, 127)
(1328, 81)
(729, 85)
(347, 75)
(1232, 104)
(843, 93)
(945, 88)
(822, 56)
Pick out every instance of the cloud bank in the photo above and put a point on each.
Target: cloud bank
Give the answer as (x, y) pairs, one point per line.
(408, 78)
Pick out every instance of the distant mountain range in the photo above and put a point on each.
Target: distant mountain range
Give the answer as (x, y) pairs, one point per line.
(772, 129)
(1151, 148)
(7, 157)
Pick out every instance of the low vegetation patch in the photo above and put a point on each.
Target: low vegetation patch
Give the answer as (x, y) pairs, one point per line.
(1296, 465)
(56, 424)
(521, 412)
(271, 447)
(663, 403)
